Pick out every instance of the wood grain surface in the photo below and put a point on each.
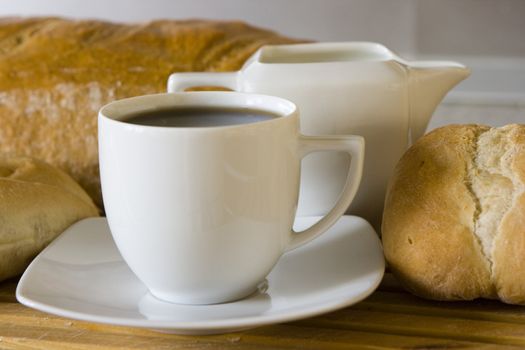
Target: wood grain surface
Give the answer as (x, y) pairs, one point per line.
(389, 319)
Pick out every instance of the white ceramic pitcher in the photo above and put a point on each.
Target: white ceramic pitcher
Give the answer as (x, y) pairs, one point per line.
(357, 88)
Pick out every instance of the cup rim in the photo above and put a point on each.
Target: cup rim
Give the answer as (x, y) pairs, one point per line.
(117, 110)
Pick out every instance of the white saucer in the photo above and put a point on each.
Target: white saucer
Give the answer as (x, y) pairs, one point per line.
(81, 275)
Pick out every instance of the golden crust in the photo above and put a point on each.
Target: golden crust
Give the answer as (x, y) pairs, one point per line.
(37, 202)
(55, 74)
(454, 218)
(509, 245)
(428, 219)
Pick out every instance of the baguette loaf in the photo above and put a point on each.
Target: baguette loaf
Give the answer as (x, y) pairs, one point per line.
(37, 202)
(454, 218)
(55, 74)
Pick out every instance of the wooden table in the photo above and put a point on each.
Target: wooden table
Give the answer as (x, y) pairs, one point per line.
(389, 319)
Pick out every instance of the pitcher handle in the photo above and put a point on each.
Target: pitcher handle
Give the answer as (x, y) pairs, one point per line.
(181, 81)
(355, 147)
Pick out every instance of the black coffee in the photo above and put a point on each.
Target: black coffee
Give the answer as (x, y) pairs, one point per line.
(198, 117)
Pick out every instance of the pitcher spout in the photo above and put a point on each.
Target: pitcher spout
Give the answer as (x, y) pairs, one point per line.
(429, 82)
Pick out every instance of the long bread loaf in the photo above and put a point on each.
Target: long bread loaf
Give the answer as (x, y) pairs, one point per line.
(55, 74)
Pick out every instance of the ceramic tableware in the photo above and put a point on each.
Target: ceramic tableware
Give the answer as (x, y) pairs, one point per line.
(82, 275)
(202, 214)
(357, 88)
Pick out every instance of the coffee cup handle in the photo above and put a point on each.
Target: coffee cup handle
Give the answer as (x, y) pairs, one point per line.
(181, 81)
(355, 147)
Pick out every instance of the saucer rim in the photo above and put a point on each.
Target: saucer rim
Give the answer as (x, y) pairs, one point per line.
(235, 323)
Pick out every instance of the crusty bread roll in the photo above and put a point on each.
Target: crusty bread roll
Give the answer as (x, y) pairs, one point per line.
(454, 219)
(55, 74)
(37, 202)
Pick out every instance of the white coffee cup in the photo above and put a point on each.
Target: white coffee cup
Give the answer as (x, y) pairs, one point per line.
(202, 214)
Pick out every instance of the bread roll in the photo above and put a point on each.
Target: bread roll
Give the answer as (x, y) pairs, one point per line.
(55, 74)
(37, 202)
(454, 219)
